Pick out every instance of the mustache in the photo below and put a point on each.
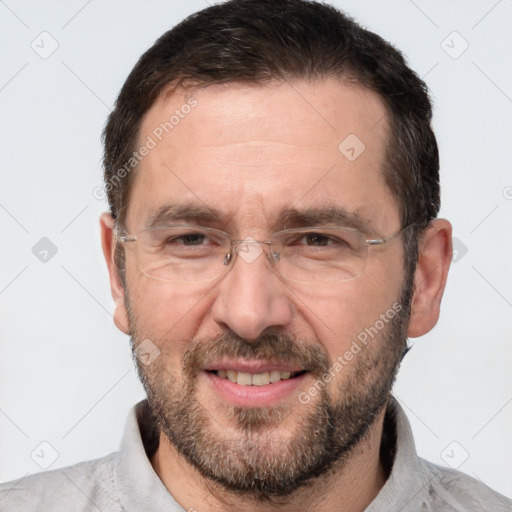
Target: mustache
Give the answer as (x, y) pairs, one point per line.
(271, 346)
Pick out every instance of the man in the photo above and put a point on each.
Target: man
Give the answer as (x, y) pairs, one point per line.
(272, 242)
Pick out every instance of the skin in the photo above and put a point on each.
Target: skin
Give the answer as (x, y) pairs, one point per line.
(250, 151)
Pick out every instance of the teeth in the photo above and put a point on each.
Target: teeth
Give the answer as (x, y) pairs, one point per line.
(255, 379)
(275, 375)
(260, 379)
(245, 379)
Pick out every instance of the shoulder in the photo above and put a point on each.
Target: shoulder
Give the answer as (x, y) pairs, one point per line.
(452, 490)
(85, 486)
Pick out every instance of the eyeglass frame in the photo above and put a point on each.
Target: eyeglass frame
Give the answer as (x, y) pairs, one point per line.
(274, 256)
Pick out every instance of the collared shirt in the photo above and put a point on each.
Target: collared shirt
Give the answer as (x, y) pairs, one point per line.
(125, 481)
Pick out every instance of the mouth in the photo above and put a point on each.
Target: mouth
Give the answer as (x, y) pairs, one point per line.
(254, 383)
(256, 379)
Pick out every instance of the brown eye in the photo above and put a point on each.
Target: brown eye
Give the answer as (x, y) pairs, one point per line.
(316, 239)
(189, 239)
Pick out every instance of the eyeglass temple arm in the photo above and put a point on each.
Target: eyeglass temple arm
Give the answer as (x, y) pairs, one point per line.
(379, 241)
(125, 238)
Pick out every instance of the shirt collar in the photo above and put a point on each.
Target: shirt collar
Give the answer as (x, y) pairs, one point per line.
(139, 486)
(408, 477)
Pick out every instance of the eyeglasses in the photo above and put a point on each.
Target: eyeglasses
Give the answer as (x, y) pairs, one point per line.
(188, 253)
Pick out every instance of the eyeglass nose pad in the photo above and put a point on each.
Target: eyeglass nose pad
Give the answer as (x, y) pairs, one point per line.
(226, 259)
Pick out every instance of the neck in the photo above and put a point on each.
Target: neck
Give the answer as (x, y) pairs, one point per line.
(351, 487)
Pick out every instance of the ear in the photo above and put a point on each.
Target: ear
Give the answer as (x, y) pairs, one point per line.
(434, 258)
(108, 244)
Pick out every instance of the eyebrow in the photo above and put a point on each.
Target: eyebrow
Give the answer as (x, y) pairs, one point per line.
(185, 212)
(324, 216)
(285, 219)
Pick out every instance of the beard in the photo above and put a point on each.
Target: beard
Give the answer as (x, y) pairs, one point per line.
(251, 456)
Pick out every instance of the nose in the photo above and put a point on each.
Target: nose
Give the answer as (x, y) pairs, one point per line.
(251, 297)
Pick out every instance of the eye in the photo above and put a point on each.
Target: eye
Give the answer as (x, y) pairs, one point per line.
(317, 239)
(187, 239)
(312, 239)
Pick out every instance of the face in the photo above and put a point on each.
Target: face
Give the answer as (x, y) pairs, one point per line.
(256, 159)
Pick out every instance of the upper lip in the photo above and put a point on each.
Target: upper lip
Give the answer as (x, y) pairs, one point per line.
(252, 366)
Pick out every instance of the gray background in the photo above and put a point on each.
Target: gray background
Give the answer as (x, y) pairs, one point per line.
(66, 374)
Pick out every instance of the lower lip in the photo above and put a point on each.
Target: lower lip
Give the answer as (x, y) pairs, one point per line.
(254, 396)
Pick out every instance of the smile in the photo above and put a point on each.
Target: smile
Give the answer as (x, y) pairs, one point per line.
(256, 379)
(246, 383)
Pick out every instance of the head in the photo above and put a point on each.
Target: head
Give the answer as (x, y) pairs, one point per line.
(250, 118)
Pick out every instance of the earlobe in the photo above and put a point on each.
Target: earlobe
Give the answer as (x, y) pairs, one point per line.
(434, 258)
(121, 317)
(108, 244)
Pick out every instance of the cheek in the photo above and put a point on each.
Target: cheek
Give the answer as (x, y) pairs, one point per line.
(168, 313)
(336, 315)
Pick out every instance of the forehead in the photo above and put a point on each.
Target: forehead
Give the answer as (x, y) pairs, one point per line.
(253, 152)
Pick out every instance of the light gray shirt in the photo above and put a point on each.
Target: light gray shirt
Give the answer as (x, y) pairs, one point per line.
(125, 481)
